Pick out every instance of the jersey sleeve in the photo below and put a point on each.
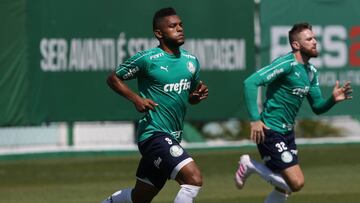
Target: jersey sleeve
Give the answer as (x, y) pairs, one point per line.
(318, 104)
(132, 67)
(262, 77)
(196, 76)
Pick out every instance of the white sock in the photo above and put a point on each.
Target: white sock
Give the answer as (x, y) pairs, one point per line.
(276, 197)
(270, 177)
(187, 193)
(121, 196)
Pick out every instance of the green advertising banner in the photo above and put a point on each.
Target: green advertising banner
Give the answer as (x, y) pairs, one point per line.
(337, 28)
(74, 45)
(14, 82)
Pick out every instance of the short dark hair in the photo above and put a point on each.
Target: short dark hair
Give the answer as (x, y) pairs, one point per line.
(296, 29)
(169, 11)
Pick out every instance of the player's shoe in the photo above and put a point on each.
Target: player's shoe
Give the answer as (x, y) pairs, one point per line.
(244, 170)
(108, 200)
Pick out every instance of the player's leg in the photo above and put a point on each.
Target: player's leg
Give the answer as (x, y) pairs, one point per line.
(276, 196)
(121, 196)
(248, 166)
(150, 178)
(144, 192)
(282, 157)
(270, 154)
(141, 193)
(149, 183)
(190, 179)
(177, 164)
(170, 161)
(294, 177)
(189, 174)
(292, 172)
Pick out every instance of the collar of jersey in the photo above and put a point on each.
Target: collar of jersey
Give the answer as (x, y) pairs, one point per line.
(170, 55)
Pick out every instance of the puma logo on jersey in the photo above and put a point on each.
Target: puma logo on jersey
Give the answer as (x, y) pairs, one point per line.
(184, 84)
(164, 68)
(297, 74)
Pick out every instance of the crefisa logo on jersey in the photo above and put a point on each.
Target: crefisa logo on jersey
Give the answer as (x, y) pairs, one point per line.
(274, 73)
(183, 85)
(191, 67)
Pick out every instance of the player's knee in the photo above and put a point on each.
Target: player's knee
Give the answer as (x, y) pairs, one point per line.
(190, 175)
(195, 180)
(296, 185)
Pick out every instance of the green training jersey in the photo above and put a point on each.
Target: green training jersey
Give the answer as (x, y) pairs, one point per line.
(167, 80)
(288, 83)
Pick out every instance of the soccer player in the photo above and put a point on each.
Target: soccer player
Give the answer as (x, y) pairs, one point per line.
(289, 79)
(168, 79)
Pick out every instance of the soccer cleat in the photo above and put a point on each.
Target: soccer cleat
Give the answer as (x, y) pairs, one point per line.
(108, 200)
(244, 170)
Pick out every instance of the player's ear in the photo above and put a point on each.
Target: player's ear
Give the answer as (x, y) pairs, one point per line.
(158, 33)
(295, 45)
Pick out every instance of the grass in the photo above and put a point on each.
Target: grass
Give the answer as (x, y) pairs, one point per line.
(331, 174)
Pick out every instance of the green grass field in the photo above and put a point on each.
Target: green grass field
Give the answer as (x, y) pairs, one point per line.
(332, 174)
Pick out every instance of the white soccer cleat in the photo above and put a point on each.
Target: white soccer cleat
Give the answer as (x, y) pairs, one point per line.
(108, 200)
(244, 170)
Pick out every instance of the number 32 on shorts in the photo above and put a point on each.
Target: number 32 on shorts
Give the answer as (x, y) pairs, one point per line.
(281, 146)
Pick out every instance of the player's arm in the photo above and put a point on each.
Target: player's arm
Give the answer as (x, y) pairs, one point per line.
(320, 105)
(342, 93)
(263, 77)
(251, 85)
(130, 69)
(199, 91)
(119, 86)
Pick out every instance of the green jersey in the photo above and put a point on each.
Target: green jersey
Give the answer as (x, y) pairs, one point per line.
(167, 80)
(288, 83)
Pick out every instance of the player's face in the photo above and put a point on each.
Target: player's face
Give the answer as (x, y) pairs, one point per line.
(307, 42)
(172, 32)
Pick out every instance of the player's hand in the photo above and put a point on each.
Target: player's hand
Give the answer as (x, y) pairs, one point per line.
(200, 93)
(143, 105)
(342, 93)
(257, 131)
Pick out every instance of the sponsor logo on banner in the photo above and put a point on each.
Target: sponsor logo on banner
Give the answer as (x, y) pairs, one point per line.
(338, 46)
(102, 54)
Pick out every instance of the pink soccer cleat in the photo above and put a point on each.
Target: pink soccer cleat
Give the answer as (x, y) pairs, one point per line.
(244, 170)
